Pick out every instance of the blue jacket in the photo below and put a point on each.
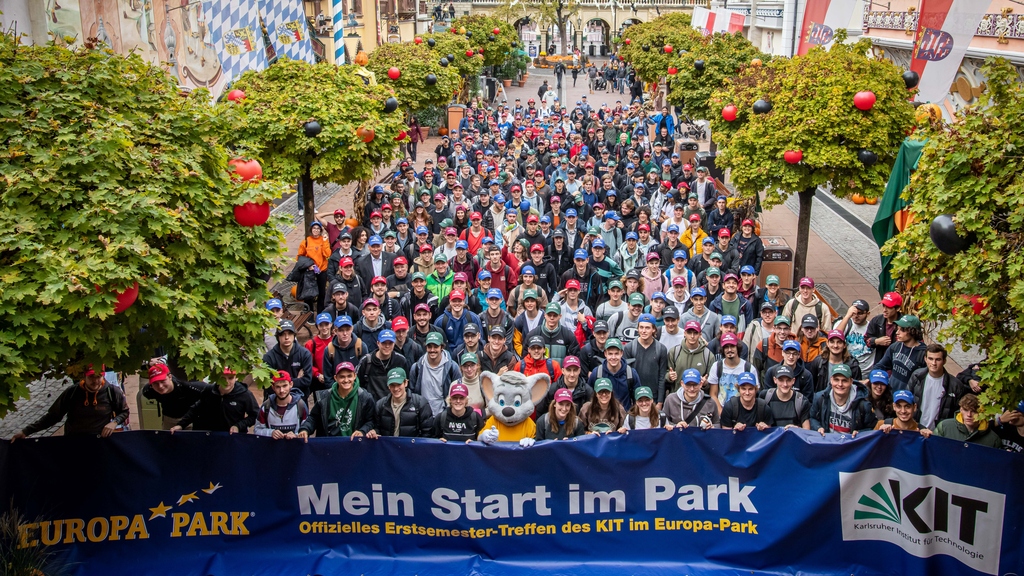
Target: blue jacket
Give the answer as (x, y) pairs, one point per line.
(670, 122)
(453, 328)
(746, 310)
(624, 382)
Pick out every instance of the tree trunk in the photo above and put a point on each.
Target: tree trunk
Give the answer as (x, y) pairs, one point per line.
(359, 202)
(803, 231)
(561, 35)
(308, 199)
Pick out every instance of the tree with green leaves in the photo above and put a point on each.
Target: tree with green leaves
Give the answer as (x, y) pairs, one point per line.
(357, 133)
(971, 169)
(415, 63)
(645, 50)
(479, 30)
(111, 179)
(812, 116)
(455, 44)
(555, 13)
(722, 56)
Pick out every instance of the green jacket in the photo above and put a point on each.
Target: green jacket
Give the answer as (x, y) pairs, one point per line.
(954, 429)
(440, 287)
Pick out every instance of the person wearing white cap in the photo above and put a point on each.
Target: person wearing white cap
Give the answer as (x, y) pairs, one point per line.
(807, 302)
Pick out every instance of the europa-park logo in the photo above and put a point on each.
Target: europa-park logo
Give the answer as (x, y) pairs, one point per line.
(180, 519)
(923, 515)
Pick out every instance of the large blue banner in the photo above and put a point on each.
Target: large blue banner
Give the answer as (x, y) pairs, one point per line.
(649, 502)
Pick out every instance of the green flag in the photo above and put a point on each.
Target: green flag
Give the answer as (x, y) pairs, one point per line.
(892, 202)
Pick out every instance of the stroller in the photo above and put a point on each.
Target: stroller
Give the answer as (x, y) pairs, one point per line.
(600, 83)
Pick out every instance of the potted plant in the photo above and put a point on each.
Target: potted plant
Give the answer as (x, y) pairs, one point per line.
(430, 117)
(508, 72)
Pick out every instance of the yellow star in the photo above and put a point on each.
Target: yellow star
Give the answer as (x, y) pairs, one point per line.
(187, 498)
(213, 488)
(160, 511)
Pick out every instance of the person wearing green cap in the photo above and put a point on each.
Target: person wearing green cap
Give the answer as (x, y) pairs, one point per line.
(905, 355)
(843, 407)
(559, 341)
(603, 414)
(770, 292)
(712, 280)
(433, 373)
(439, 283)
(615, 302)
(644, 414)
(623, 377)
(418, 294)
(401, 412)
(623, 325)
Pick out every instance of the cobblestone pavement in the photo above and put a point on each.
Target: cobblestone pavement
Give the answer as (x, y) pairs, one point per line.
(42, 392)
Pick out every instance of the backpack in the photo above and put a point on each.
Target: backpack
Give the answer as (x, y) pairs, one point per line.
(759, 412)
(358, 348)
(746, 368)
(706, 354)
(798, 404)
(817, 310)
(629, 375)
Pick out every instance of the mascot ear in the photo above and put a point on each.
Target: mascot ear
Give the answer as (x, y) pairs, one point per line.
(539, 384)
(488, 380)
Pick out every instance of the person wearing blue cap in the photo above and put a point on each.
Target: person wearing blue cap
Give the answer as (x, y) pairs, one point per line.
(720, 218)
(629, 255)
(465, 262)
(904, 406)
(316, 346)
(527, 282)
(699, 313)
(701, 260)
(374, 367)
(1010, 428)
(792, 361)
(690, 406)
(790, 408)
(648, 356)
(746, 410)
(343, 347)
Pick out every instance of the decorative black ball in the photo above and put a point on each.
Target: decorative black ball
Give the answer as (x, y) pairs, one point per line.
(431, 79)
(646, 47)
(450, 57)
(443, 62)
(431, 42)
(469, 33)
(515, 44)
(762, 107)
(312, 128)
(491, 38)
(867, 157)
(910, 79)
(943, 233)
(391, 104)
(699, 65)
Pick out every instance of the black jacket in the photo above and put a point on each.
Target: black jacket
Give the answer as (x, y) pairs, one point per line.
(330, 361)
(373, 373)
(87, 412)
(581, 394)
(819, 368)
(544, 429)
(804, 379)
(364, 267)
(180, 399)
(876, 329)
(415, 419)
(457, 428)
(952, 391)
(218, 412)
(320, 422)
(298, 360)
(862, 414)
(753, 253)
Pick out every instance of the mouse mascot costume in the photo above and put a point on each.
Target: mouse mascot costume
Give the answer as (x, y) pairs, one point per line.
(511, 399)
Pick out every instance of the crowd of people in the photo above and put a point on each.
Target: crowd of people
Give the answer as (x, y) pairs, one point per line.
(577, 244)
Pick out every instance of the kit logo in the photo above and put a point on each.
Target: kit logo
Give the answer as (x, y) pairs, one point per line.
(923, 515)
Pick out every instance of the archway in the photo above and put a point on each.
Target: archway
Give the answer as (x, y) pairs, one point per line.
(597, 37)
(555, 41)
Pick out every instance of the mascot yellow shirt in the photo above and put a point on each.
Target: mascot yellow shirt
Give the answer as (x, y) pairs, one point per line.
(525, 429)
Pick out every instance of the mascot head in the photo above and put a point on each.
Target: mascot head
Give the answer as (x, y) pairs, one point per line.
(511, 397)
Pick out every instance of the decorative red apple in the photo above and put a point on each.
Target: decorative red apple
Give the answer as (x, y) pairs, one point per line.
(628, 41)
(401, 136)
(793, 156)
(668, 48)
(394, 73)
(418, 40)
(126, 298)
(496, 31)
(729, 113)
(252, 214)
(236, 95)
(864, 100)
(672, 70)
(366, 134)
(469, 53)
(246, 170)
(479, 50)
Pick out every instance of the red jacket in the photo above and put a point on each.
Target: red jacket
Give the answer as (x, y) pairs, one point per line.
(316, 347)
(504, 279)
(528, 366)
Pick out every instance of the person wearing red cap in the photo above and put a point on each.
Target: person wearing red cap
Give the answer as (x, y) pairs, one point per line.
(389, 307)
(93, 407)
(474, 235)
(835, 353)
(282, 413)
(335, 228)
(174, 395)
(345, 409)
(693, 237)
(561, 420)
(881, 330)
(228, 407)
(457, 422)
(453, 320)
(807, 302)
(399, 281)
(749, 246)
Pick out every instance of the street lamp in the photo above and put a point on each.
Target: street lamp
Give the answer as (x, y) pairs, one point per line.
(579, 32)
(307, 198)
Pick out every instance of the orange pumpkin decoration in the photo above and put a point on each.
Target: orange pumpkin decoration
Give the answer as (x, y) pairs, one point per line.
(351, 222)
(442, 131)
(857, 198)
(756, 62)
(362, 59)
(872, 200)
(903, 219)
(928, 113)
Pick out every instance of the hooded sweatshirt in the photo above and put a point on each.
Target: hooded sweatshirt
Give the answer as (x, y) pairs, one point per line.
(677, 409)
(369, 333)
(284, 418)
(855, 414)
(216, 412)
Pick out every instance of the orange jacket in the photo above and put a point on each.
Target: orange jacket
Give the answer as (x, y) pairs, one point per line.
(528, 366)
(319, 249)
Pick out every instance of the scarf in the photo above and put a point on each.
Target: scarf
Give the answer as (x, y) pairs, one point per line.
(343, 410)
